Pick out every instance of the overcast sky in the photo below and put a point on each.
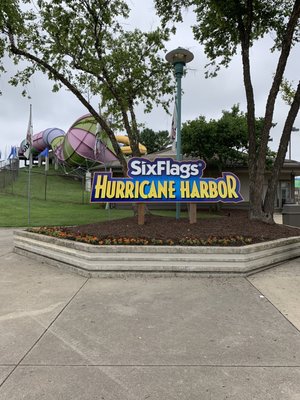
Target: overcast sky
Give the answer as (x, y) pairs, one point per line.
(202, 96)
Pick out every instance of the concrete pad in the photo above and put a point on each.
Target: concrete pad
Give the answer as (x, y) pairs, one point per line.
(4, 372)
(30, 298)
(169, 322)
(281, 285)
(167, 383)
(6, 240)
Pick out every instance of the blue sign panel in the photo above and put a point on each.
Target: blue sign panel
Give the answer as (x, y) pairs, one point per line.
(165, 180)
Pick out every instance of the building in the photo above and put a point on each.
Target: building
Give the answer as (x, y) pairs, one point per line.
(297, 189)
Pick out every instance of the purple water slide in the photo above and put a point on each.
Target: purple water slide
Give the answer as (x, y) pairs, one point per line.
(82, 145)
(51, 138)
(38, 142)
(50, 134)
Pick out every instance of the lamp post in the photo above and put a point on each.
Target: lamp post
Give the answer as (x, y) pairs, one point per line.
(178, 58)
(294, 129)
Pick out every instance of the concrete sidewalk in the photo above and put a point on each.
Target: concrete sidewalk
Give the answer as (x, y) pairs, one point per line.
(66, 337)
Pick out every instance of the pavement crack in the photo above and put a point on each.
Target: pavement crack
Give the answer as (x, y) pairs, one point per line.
(45, 331)
(158, 366)
(262, 294)
(6, 254)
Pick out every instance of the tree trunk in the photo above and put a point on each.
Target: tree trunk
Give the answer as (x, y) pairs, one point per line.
(255, 201)
(271, 192)
(256, 174)
(132, 133)
(134, 140)
(268, 118)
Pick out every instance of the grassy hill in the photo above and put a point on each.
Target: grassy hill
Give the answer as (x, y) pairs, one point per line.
(55, 199)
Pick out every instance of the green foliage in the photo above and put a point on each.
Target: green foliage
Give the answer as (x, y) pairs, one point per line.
(154, 141)
(82, 45)
(287, 92)
(66, 234)
(226, 28)
(64, 206)
(223, 24)
(137, 73)
(222, 142)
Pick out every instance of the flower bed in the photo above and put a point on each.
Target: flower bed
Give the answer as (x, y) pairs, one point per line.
(62, 233)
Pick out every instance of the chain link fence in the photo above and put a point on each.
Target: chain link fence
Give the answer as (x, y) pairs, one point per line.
(9, 174)
(51, 185)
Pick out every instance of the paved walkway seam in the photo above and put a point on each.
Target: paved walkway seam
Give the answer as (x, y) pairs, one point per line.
(45, 331)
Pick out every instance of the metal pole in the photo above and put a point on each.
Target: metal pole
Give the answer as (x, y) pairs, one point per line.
(179, 58)
(178, 146)
(46, 174)
(29, 140)
(178, 73)
(29, 188)
(46, 182)
(82, 187)
(294, 129)
(11, 176)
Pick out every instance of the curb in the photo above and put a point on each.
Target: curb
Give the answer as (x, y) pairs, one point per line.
(121, 261)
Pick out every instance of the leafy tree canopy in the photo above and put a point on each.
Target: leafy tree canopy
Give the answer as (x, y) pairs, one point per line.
(221, 143)
(228, 27)
(82, 45)
(154, 141)
(222, 25)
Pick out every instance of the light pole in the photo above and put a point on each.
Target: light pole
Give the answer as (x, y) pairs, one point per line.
(294, 129)
(178, 58)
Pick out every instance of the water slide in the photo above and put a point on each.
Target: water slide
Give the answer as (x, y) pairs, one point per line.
(80, 146)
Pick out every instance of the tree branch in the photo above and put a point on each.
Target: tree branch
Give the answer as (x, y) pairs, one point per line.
(285, 51)
(58, 76)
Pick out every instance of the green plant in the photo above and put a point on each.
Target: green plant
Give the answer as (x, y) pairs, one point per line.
(62, 233)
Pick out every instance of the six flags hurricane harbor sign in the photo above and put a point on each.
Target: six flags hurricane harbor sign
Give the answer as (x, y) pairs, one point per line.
(165, 180)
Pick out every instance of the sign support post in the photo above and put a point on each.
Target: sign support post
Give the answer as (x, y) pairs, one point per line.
(141, 213)
(193, 213)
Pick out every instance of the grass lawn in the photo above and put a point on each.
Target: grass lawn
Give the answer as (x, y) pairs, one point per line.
(14, 212)
(54, 186)
(67, 203)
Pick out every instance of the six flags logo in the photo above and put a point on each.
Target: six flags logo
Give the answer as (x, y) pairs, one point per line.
(165, 180)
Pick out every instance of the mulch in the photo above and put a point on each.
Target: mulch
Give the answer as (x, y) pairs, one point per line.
(228, 224)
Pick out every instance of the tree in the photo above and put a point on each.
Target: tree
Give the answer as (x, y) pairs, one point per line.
(221, 143)
(81, 44)
(155, 141)
(226, 26)
(291, 97)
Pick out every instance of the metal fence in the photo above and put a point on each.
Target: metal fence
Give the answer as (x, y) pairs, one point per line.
(52, 185)
(9, 174)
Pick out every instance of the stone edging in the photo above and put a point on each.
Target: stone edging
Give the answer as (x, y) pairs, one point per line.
(110, 261)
